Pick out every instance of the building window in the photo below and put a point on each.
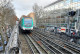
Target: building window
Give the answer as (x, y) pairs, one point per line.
(68, 1)
(76, 0)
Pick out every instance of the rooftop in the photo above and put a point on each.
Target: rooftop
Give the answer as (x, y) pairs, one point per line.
(53, 3)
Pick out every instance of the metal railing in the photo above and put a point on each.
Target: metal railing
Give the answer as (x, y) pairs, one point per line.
(12, 45)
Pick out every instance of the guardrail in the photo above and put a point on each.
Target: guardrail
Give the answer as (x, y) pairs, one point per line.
(12, 45)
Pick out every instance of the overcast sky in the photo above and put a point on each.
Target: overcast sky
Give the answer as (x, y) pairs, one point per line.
(24, 7)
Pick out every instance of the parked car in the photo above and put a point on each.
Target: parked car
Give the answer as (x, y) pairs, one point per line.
(0, 37)
(63, 30)
(8, 33)
(5, 40)
(55, 29)
(58, 30)
(1, 46)
(49, 28)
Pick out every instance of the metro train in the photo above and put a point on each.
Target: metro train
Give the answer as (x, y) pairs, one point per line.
(26, 24)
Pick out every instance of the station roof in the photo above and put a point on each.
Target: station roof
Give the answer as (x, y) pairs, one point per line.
(53, 3)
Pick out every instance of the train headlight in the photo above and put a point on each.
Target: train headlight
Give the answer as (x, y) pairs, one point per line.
(23, 28)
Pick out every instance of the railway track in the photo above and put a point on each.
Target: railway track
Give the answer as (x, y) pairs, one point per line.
(51, 47)
(35, 47)
(55, 47)
(40, 43)
(63, 38)
(69, 45)
(57, 42)
(46, 46)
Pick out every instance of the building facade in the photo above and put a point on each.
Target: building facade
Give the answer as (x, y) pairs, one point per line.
(57, 13)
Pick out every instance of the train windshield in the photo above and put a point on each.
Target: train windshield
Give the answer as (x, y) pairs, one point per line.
(28, 22)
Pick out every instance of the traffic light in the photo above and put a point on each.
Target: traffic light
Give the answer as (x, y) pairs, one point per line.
(72, 13)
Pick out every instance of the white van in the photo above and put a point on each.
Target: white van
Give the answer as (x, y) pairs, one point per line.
(63, 30)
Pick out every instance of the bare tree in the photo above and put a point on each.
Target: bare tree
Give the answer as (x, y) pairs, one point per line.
(7, 13)
(38, 10)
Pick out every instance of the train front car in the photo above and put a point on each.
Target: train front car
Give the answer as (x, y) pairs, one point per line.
(26, 25)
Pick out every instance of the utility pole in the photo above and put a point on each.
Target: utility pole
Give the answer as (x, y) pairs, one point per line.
(77, 25)
(68, 24)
